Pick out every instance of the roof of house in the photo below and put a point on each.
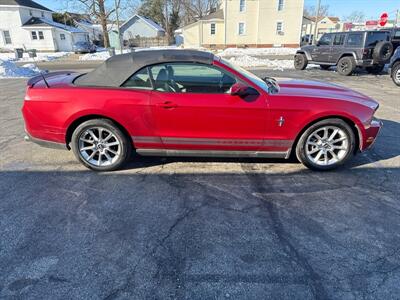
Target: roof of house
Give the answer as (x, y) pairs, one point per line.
(26, 3)
(35, 22)
(117, 69)
(312, 19)
(218, 14)
(150, 22)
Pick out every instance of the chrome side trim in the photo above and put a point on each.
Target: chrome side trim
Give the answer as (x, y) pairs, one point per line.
(213, 153)
(212, 141)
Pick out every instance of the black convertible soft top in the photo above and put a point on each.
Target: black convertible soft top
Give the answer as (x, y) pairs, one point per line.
(117, 69)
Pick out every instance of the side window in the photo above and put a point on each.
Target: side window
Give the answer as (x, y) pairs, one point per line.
(338, 40)
(397, 34)
(355, 39)
(325, 40)
(139, 80)
(191, 78)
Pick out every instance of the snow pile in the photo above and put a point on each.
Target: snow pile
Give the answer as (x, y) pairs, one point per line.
(41, 56)
(8, 69)
(257, 51)
(95, 56)
(250, 61)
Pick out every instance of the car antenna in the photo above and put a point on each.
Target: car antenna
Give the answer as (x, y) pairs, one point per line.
(40, 71)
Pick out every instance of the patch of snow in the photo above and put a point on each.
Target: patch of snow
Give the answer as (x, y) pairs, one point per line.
(257, 51)
(41, 56)
(251, 61)
(9, 69)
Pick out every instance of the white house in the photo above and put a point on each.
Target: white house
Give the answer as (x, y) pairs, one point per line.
(27, 24)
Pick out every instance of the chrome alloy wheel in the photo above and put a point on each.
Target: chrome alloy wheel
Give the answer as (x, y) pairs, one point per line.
(99, 147)
(327, 145)
(397, 76)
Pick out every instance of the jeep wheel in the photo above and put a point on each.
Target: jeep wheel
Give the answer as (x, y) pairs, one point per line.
(383, 52)
(300, 61)
(325, 67)
(377, 69)
(396, 74)
(346, 66)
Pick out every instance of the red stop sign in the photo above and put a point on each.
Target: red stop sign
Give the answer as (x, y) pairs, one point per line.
(383, 20)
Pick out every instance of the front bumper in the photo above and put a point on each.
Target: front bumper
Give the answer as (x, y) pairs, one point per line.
(371, 133)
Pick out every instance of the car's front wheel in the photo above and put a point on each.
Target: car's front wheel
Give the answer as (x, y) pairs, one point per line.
(300, 61)
(346, 66)
(326, 145)
(100, 145)
(396, 74)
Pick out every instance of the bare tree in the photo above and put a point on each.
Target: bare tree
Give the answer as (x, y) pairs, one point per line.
(310, 11)
(196, 9)
(355, 17)
(101, 10)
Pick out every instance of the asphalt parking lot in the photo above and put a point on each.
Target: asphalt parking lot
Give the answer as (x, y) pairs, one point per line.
(200, 228)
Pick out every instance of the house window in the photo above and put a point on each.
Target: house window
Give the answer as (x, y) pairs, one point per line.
(279, 27)
(242, 5)
(41, 36)
(7, 37)
(34, 35)
(280, 4)
(42, 14)
(212, 28)
(62, 36)
(242, 29)
(30, 13)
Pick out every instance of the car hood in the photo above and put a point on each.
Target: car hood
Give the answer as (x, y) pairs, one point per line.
(316, 89)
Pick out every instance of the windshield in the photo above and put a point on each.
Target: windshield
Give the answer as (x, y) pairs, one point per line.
(267, 84)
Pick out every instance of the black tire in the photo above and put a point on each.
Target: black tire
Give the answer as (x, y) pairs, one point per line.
(301, 146)
(346, 66)
(395, 74)
(383, 52)
(325, 67)
(300, 61)
(125, 144)
(377, 69)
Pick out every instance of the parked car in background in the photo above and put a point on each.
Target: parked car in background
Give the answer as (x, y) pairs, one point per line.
(394, 36)
(84, 47)
(192, 103)
(394, 67)
(307, 39)
(348, 50)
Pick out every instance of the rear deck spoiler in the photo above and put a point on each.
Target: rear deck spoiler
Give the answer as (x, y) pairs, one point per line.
(36, 79)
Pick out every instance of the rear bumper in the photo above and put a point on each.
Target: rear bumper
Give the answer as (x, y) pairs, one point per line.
(44, 143)
(366, 63)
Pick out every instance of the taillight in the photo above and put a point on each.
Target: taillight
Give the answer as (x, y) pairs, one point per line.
(366, 52)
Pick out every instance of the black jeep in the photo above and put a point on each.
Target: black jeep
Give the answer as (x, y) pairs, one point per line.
(348, 50)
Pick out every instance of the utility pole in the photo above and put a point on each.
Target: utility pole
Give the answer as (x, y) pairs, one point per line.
(118, 28)
(397, 18)
(316, 21)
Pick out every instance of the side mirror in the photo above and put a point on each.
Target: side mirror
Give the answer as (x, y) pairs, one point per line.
(240, 89)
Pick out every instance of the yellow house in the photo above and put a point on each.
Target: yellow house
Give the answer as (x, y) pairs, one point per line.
(248, 23)
(324, 25)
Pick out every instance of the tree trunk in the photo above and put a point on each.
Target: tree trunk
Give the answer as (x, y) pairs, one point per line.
(103, 22)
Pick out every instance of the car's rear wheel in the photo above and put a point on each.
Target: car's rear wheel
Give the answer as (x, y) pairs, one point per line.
(346, 66)
(300, 61)
(325, 67)
(326, 145)
(100, 145)
(377, 69)
(396, 74)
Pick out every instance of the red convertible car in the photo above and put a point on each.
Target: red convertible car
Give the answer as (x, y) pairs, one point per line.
(192, 103)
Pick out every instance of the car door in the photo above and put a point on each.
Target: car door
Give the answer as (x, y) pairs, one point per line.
(322, 51)
(193, 109)
(337, 47)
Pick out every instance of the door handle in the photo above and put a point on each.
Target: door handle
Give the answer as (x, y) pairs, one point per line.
(167, 105)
